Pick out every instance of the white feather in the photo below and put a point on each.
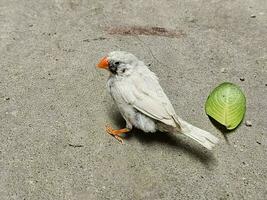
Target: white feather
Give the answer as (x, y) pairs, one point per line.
(142, 90)
(203, 137)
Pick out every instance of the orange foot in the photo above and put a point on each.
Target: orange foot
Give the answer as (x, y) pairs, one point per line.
(115, 133)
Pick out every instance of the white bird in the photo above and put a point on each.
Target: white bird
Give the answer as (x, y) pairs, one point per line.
(142, 101)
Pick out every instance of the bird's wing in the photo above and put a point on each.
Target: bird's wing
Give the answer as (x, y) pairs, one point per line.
(143, 91)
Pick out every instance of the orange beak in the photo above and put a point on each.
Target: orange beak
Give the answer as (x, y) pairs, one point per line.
(103, 63)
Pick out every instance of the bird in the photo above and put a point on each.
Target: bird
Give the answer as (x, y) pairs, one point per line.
(142, 102)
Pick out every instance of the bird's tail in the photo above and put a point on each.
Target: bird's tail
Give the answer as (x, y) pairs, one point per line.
(205, 138)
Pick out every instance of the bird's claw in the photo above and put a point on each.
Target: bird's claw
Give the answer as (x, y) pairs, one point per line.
(113, 133)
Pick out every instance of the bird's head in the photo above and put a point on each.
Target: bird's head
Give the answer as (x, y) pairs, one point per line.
(119, 63)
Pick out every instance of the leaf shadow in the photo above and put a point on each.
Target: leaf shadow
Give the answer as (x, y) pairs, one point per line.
(225, 132)
(176, 141)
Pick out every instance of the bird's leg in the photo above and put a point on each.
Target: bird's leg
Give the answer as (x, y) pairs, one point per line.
(116, 133)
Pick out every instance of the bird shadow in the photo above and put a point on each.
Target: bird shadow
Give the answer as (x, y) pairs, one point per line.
(176, 141)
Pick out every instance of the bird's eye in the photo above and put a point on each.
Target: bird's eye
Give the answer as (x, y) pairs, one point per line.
(123, 70)
(117, 63)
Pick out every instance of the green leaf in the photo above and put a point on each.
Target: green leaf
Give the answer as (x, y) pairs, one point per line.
(227, 105)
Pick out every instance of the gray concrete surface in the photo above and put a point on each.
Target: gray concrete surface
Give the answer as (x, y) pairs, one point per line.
(54, 104)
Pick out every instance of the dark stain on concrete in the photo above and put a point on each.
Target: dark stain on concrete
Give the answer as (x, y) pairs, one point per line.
(142, 30)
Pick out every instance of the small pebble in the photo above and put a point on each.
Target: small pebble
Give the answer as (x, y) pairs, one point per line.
(7, 98)
(252, 16)
(223, 70)
(242, 79)
(14, 113)
(248, 123)
(192, 20)
(258, 142)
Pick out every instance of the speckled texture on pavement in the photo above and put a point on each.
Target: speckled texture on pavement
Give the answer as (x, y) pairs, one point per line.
(54, 105)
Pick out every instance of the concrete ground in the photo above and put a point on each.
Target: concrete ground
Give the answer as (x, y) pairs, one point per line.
(54, 104)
